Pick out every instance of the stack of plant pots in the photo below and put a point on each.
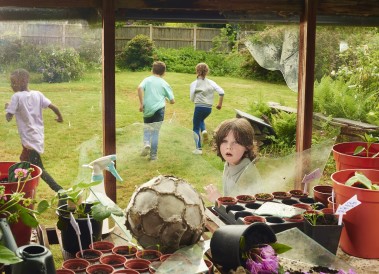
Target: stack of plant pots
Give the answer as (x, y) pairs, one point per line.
(359, 235)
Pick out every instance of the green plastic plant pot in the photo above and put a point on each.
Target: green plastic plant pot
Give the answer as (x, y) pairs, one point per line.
(226, 242)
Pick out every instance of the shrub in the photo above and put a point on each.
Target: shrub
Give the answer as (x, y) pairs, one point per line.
(184, 60)
(90, 53)
(61, 65)
(9, 51)
(137, 54)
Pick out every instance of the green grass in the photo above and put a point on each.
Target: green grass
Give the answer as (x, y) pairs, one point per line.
(78, 140)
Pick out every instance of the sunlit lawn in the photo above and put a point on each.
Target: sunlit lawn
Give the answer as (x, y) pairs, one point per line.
(78, 140)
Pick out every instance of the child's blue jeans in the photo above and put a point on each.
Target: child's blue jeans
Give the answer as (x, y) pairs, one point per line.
(151, 130)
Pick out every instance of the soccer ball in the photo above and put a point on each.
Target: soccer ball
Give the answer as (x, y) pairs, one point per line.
(166, 211)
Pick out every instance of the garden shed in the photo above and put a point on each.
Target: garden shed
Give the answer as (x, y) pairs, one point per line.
(307, 13)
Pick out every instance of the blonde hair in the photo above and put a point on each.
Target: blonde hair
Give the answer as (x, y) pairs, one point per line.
(202, 70)
(243, 133)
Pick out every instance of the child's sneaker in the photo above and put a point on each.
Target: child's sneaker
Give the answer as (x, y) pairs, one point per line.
(145, 150)
(153, 157)
(197, 152)
(204, 133)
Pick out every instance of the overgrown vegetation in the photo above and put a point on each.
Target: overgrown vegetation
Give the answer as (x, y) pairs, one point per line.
(137, 54)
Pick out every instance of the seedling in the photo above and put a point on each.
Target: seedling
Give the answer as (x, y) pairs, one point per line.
(369, 139)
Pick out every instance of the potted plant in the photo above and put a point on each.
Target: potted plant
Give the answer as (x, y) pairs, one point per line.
(226, 200)
(321, 193)
(359, 236)
(245, 199)
(82, 212)
(281, 195)
(357, 155)
(76, 265)
(103, 246)
(139, 265)
(18, 183)
(264, 197)
(113, 259)
(127, 251)
(149, 254)
(298, 193)
(323, 228)
(91, 255)
(253, 219)
(99, 269)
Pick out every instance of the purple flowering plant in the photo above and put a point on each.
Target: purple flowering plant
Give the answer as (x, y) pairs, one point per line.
(263, 258)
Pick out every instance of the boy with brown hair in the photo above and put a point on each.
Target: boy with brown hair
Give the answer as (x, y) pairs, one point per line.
(27, 106)
(152, 93)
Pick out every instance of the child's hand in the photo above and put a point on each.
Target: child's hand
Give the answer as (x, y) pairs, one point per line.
(218, 107)
(59, 119)
(212, 193)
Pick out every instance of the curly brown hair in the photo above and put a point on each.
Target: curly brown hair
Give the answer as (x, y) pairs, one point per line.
(243, 133)
(202, 70)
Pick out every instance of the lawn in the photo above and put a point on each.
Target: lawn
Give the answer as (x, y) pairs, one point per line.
(78, 140)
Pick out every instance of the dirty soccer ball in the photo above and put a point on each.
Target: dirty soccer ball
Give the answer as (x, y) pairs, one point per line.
(166, 211)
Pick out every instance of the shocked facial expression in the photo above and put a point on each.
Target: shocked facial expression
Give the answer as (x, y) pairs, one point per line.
(231, 150)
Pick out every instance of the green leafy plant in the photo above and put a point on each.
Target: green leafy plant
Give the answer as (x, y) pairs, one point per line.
(75, 197)
(361, 181)
(369, 139)
(312, 216)
(16, 207)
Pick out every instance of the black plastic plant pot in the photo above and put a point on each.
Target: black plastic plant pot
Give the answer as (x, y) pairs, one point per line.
(326, 235)
(226, 242)
(69, 238)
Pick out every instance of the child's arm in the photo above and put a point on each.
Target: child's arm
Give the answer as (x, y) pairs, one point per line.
(57, 112)
(8, 116)
(220, 100)
(140, 96)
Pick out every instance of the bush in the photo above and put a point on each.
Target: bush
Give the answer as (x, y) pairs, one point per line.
(61, 65)
(137, 54)
(250, 69)
(184, 60)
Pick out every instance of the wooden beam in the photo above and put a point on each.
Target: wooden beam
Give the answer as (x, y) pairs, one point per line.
(51, 3)
(109, 92)
(307, 47)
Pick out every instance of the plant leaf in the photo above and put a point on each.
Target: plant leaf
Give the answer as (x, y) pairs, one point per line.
(7, 256)
(358, 150)
(359, 178)
(42, 206)
(27, 218)
(100, 212)
(280, 248)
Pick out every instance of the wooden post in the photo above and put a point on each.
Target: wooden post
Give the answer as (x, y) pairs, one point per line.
(151, 32)
(109, 91)
(194, 37)
(306, 82)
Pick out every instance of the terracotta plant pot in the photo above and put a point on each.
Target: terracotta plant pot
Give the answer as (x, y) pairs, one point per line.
(76, 265)
(64, 271)
(164, 257)
(99, 269)
(331, 203)
(264, 197)
(253, 219)
(360, 234)
(226, 200)
(127, 251)
(139, 265)
(295, 219)
(149, 254)
(321, 193)
(303, 206)
(226, 242)
(113, 260)
(103, 246)
(281, 195)
(91, 255)
(245, 199)
(20, 231)
(298, 193)
(344, 158)
(125, 271)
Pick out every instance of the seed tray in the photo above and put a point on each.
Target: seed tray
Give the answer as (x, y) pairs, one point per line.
(276, 212)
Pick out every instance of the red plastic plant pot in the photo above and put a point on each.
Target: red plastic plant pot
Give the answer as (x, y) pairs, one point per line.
(64, 271)
(76, 265)
(226, 200)
(139, 265)
(245, 199)
(125, 271)
(281, 195)
(149, 254)
(99, 268)
(253, 219)
(264, 197)
(103, 246)
(298, 193)
(91, 255)
(321, 193)
(127, 251)
(113, 260)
